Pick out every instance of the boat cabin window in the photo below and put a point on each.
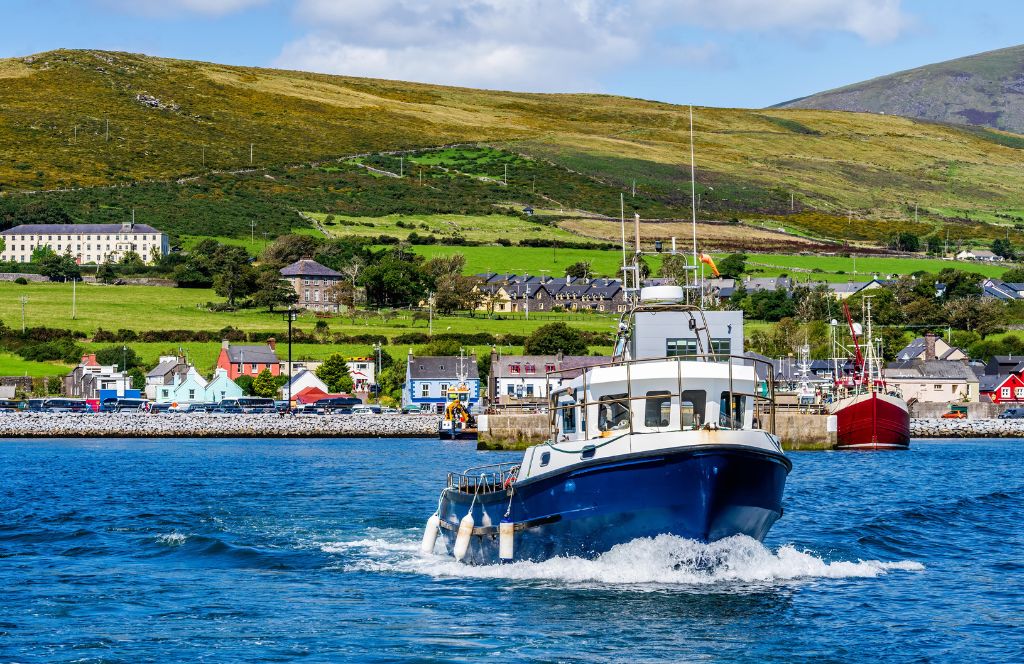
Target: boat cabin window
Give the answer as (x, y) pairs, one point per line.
(692, 407)
(732, 417)
(568, 416)
(613, 412)
(658, 410)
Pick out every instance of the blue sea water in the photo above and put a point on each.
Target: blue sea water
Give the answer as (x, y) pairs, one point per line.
(282, 550)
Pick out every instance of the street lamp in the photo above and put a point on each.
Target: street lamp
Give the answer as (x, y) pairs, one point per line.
(376, 373)
(290, 316)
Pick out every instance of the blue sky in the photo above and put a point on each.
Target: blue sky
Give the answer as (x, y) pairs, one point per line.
(748, 53)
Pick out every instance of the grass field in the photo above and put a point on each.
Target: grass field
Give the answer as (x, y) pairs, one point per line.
(480, 228)
(12, 365)
(606, 263)
(143, 308)
(254, 245)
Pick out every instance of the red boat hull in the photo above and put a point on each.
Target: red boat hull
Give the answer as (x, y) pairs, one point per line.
(872, 421)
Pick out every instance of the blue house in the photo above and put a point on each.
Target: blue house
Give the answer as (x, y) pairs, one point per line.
(427, 380)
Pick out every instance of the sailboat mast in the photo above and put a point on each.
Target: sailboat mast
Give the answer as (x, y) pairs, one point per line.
(693, 189)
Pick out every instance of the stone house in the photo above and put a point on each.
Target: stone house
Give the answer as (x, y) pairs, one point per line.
(313, 284)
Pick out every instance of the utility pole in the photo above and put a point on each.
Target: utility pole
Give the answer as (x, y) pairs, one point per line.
(252, 231)
(291, 315)
(421, 176)
(506, 175)
(915, 213)
(107, 131)
(265, 234)
(24, 300)
(204, 156)
(401, 166)
(792, 202)
(430, 314)
(76, 134)
(634, 187)
(250, 154)
(74, 282)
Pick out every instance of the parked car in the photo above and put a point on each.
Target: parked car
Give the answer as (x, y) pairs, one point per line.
(10, 405)
(65, 406)
(203, 407)
(130, 405)
(35, 405)
(339, 405)
(246, 405)
(161, 408)
(955, 415)
(368, 409)
(1012, 414)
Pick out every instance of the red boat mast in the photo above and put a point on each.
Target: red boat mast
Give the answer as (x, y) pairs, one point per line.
(859, 361)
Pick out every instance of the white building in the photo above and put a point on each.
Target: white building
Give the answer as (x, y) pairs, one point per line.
(87, 243)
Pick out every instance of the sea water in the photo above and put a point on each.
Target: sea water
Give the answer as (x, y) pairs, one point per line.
(280, 550)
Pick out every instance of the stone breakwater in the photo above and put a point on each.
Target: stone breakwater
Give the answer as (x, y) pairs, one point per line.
(174, 425)
(939, 428)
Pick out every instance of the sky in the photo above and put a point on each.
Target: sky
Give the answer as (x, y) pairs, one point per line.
(732, 53)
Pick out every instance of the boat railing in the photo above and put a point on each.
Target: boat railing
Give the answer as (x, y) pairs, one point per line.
(483, 479)
(763, 400)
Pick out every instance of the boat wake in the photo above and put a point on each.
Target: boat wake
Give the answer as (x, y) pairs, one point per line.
(665, 560)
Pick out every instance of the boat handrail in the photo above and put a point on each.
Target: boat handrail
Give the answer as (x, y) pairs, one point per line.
(763, 404)
(483, 479)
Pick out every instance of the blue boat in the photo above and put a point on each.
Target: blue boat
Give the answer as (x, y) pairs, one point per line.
(675, 435)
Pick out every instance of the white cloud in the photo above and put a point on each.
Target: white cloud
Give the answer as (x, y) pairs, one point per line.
(546, 45)
(166, 7)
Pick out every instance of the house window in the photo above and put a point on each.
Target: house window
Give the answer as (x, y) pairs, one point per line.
(529, 390)
(511, 390)
(425, 390)
(444, 389)
(240, 369)
(1005, 393)
(548, 368)
(1018, 392)
(165, 393)
(513, 369)
(531, 369)
(191, 395)
(253, 367)
(938, 388)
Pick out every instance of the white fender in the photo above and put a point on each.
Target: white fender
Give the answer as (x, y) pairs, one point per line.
(485, 520)
(430, 534)
(506, 540)
(462, 538)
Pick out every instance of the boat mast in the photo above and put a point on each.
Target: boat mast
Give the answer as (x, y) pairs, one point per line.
(693, 207)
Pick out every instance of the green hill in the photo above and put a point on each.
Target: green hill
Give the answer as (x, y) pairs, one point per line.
(985, 90)
(180, 133)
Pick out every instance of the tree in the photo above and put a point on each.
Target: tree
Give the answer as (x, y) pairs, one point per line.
(235, 282)
(245, 384)
(732, 266)
(131, 259)
(813, 304)
(904, 241)
(555, 338)
(1003, 247)
(934, 244)
(396, 280)
(54, 385)
(769, 305)
(959, 284)
(273, 291)
(1014, 276)
(452, 290)
(60, 268)
(674, 267)
(41, 253)
(578, 270)
(645, 269)
(264, 384)
(107, 273)
(287, 249)
(334, 373)
(125, 358)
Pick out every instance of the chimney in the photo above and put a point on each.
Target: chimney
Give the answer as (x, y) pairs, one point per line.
(225, 344)
(568, 280)
(929, 346)
(272, 342)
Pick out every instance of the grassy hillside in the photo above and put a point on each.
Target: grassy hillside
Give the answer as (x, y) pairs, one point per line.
(172, 119)
(983, 89)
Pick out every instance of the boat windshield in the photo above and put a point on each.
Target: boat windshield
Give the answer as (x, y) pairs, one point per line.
(613, 413)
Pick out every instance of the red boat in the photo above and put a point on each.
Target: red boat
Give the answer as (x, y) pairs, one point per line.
(867, 415)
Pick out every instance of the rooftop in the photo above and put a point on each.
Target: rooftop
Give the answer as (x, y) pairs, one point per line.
(77, 229)
(308, 268)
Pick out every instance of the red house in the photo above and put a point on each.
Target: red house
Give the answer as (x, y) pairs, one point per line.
(1003, 389)
(249, 360)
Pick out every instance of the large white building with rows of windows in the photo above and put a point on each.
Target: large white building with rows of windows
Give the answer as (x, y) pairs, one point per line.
(87, 243)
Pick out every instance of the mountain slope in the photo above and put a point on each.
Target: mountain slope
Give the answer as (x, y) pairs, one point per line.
(171, 119)
(986, 89)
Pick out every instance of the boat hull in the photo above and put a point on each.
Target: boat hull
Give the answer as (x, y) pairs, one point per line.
(704, 493)
(458, 434)
(872, 421)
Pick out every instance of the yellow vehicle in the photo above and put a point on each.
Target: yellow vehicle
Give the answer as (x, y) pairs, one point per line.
(457, 423)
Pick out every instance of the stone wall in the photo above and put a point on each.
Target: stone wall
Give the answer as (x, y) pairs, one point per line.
(969, 428)
(512, 432)
(183, 425)
(11, 276)
(926, 411)
(802, 431)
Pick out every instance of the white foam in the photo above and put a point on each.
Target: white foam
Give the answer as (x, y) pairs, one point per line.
(660, 561)
(171, 539)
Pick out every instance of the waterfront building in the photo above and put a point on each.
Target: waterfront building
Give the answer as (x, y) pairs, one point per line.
(248, 359)
(86, 243)
(90, 377)
(522, 381)
(934, 381)
(163, 376)
(1004, 388)
(930, 347)
(313, 284)
(303, 380)
(221, 387)
(427, 380)
(186, 387)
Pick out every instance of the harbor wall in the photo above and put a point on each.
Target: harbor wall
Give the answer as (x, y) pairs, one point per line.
(183, 425)
(804, 431)
(969, 428)
(978, 411)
